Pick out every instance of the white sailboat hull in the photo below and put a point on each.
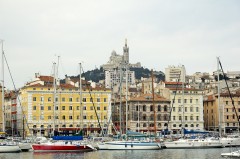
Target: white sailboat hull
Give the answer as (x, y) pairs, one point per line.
(128, 145)
(230, 142)
(193, 144)
(9, 148)
(231, 154)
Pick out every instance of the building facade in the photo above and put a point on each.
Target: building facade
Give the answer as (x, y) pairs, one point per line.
(175, 73)
(220, 113)
(140, 114)
(90, 111)
(186, 106)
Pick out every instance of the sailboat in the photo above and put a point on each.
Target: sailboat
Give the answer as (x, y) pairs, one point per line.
(6, 146)
(128, 144)
(62, 143)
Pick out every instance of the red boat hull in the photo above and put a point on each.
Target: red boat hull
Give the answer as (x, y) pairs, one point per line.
(46, 147)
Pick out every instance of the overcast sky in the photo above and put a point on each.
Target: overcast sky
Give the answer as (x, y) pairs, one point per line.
(159, 33)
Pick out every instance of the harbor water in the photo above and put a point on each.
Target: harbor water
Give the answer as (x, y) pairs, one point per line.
(125, 154)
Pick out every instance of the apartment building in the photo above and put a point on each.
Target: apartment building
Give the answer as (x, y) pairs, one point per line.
(186, 105)
(88, 109)
(221, 112)
(175, 73)
(140, 113)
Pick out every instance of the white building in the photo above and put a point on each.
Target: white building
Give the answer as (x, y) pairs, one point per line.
(175, 73)
(113, 77)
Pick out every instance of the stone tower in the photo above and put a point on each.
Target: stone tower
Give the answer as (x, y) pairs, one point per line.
(126, 53)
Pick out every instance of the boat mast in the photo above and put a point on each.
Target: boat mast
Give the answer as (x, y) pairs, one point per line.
(54, 96)
(80, 93)
(219, 109)
(126, 99)
(3, 108)
(154, 109)
(183, 105)
(120, 108)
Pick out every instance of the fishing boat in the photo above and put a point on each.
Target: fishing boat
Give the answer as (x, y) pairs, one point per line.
(63, 143)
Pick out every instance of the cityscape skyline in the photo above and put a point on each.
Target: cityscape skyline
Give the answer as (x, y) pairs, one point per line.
(159, 34)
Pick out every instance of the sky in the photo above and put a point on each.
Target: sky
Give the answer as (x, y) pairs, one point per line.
(159, 33)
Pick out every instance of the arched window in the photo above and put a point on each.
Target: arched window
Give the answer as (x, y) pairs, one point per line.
(174, 125)
(70, 125)
(186, 125)
(165, 124)
(144, 125)
(192, 125)
(63, 125)
(159, 125)
(151, 107)
(165, 108)
(159, 117)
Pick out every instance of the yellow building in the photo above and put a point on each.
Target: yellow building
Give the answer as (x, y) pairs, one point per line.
(37, 101)
(222, 115)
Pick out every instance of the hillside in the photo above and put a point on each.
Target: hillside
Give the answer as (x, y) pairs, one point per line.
(98, 74)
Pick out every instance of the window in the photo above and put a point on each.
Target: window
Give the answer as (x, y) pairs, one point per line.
(179, 109)
(105, 99)
(34, 98)
(226, 102)
(185, 117)
(174, 118)
(77, 107)
(98, 99)
(151, 107)
(70, 99)
(70, 108)
(185, 100)
(227, 116)
(49, 99)
(159, 117)
(42, 107)
(190, 100)
(84, 117)
(179, 100)
(91, 108)
(197, 118)
(136, 108)
(34, 107)
(105, 108)
(233, 116)
(49, 107)
(63, 99)
(165, 108)
(180, 118)
(191, 109)
(238, 102)
(98, 108)
(185, 109)
(70, 117)
(174, 125)
(173, 109)
(196, 109)
(91, 100)
(84, 100)
(41, 99)
(84, 108)
(144, 107)
(49, 117)
(56, 108)
(192, 125)
(63, 108)
(159, 108)
(191, 117)
(78, 117)
(63, 117)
